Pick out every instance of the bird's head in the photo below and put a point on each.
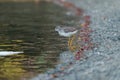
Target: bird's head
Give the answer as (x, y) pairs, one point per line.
(57, 28)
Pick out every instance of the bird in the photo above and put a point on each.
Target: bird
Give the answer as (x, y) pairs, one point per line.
(66, 31)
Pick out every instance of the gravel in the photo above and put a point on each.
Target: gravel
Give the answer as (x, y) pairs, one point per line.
(103, 61)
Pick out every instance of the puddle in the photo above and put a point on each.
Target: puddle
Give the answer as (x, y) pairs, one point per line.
(29, 27)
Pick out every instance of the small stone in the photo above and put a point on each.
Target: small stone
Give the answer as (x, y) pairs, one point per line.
(119, 38)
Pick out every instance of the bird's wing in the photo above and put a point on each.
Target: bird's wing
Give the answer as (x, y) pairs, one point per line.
(69, 29)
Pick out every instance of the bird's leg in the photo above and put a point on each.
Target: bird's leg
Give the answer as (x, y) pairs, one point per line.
(72, 47)
(70, 43)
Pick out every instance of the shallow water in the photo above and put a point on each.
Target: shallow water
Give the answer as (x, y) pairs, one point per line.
(29, 27)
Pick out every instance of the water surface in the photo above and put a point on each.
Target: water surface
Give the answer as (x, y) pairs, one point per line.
(29, 27)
